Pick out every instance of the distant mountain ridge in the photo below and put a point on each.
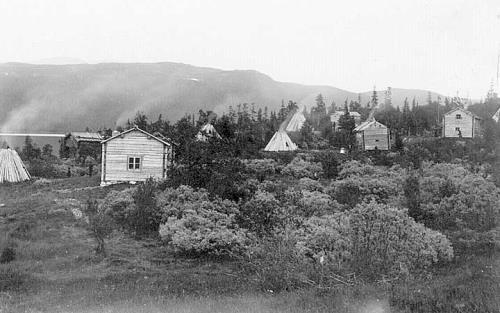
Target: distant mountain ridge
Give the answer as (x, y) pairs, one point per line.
(61, 98)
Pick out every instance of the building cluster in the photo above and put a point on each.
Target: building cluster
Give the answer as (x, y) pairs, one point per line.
(136, 155)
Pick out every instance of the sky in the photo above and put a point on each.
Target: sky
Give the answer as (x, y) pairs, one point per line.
(446, 46)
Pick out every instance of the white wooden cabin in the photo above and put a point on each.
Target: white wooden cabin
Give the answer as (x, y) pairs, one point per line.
(460, 123)
(133, 156)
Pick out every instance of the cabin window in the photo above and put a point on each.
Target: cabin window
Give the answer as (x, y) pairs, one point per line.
(458, 116)
(134, 163)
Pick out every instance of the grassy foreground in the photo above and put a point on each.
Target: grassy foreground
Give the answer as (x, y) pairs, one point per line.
(55, 270)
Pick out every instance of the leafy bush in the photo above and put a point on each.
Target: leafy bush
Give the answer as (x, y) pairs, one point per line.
(354, 190)
(277, 264)
(262, 214)
(44, 168)
(359, 182)
(300, 168)
(310, 184)
(328, 237)
(193, 224)
(374, 240)
(176, 202)
(463, 205)
(99, 224)
(135, 209)
(261, 168)
(330, 161)
(119, 205)
(317, 203)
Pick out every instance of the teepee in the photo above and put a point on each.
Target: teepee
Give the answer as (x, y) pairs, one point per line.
(208, 130)
(12, 168)
(280, 142)
(496, 116)
(296, 122)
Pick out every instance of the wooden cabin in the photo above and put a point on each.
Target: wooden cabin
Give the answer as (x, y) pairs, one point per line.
(460, 123)
(372, 135)
(79, 145)
(133, 156)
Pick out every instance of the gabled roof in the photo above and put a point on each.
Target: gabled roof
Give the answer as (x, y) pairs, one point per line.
(86, 136)
(140, 130)
(369, 123)
(464, 111)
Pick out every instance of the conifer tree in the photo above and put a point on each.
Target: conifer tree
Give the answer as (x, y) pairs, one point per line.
(374, 100)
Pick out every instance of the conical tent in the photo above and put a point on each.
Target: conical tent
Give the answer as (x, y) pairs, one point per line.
(12, 168)
(296, 122)
(280, 142)
(496, 116)
(208, 130)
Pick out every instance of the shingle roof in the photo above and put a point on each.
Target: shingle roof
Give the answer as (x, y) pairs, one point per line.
(86, 136)
(368, 123)
(137, 129)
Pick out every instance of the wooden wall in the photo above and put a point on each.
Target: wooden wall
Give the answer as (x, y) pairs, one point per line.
(375, 137)
(154, 154)
(465, 123)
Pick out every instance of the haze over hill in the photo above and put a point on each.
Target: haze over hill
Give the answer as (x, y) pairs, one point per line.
(60, 98)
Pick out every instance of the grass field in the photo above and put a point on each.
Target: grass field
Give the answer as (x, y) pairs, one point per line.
(55, 270)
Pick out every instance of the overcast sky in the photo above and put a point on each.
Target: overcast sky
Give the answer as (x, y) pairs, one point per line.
(441, 45)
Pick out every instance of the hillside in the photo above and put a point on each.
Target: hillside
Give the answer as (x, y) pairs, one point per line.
(60, 98)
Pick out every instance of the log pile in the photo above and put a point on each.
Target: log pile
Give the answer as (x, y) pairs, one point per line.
(12, 168)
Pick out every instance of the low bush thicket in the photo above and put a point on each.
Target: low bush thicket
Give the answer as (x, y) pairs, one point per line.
(135, 209)
(374, 240)
(261, 168)
(300, 168)
(196, 225)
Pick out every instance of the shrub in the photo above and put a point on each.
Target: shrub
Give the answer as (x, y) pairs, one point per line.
(462, 205)
(177, 202)
(329, 237)
(354, 190)
(194, 225)
(261, 214)
(386, 241)
(99, 224)
(374, 240)
(44, 168)
(261, 168)
(277, 264)
(330, 161)
(310, 184)
(300, 168)
(317, 203)
(135, 209)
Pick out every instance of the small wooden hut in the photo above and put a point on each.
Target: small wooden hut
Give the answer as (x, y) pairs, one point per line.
(79, 145)
(135, 155)
(460, 123)
(372, 135)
